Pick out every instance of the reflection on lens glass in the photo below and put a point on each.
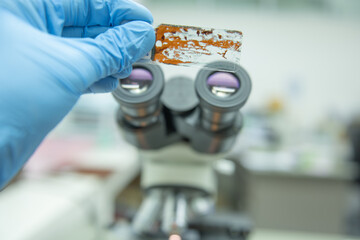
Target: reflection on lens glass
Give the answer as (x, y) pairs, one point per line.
(223, 84)
(138, 82)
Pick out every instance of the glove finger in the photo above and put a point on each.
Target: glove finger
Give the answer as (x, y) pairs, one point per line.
(83, 32)
(104, 13)
(104, 85)
(110, 83)
(118, 48)
(53, 16)
(123, 74)
(45, 16)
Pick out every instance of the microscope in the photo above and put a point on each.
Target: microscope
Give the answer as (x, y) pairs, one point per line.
(180, 127)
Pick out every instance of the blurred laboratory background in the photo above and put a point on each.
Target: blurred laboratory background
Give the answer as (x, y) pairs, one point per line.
(295, 168)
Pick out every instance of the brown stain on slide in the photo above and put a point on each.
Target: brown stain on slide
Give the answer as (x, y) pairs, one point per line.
(167, 35)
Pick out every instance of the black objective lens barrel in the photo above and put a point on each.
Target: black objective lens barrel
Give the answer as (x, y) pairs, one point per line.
(179, 95)
(222, 93)
(139, 94)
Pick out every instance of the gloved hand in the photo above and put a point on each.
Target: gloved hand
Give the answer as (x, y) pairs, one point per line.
(43, 74)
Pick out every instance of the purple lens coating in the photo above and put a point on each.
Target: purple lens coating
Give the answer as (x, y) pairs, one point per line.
(223, 84)
(139, 81)
(140, 74)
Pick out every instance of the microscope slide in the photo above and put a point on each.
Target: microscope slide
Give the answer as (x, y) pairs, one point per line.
(184, 45)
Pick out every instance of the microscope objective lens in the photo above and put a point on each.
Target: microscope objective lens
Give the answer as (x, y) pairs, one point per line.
(138, 82)
(223, 84)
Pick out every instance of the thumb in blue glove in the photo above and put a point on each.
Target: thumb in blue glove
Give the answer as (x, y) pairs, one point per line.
(42, 74)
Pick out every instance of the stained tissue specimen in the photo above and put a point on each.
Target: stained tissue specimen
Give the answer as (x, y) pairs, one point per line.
(192, 45)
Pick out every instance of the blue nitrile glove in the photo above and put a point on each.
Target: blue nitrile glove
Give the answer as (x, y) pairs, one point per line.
(43, 74)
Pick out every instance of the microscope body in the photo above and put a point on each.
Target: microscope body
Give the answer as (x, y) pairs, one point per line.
(181, 127)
